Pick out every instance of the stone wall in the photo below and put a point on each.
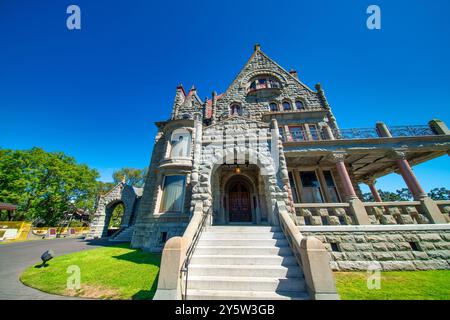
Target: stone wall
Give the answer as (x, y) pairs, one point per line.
(253, 107)
(149, 235)
(400, 247)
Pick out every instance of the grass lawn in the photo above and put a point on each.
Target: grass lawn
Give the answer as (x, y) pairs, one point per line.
(395, 285)
(116, 272)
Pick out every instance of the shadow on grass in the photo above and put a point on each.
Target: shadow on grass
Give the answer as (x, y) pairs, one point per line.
(140, 257)
(147, 294)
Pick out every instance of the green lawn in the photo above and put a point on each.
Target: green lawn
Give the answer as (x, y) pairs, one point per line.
(119, 272)
(116, 272)
(395, 285)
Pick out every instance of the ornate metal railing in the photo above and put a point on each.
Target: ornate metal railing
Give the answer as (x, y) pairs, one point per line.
(299, 133)
(411, 131)
(355, 133)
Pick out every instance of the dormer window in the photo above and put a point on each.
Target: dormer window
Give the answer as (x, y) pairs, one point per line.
(235, 109)
(299, 105)
(286, 106)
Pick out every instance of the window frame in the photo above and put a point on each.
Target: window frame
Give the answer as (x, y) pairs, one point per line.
(299, 101)
(301, 184)
(288, 103)
(163, 187)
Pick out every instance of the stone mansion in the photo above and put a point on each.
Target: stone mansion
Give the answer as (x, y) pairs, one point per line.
(238, 182)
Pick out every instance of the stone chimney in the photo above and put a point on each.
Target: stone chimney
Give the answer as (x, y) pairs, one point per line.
(294, 73)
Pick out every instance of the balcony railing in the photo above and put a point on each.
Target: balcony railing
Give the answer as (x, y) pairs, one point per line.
(261, 86)
(355, 133)
(301, 134)
(411, 131)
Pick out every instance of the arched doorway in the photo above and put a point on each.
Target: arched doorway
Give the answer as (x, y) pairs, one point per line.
(239, 203)
(114, 216)
(239, 198)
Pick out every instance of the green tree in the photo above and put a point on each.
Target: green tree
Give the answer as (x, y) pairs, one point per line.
(134, 177)
(116, 217)
(104, 187)
(404, 194)
(399, 195)
(45, 184)
(439, 194)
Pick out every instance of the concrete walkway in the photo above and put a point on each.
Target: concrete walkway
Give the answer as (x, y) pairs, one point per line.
(16, 257)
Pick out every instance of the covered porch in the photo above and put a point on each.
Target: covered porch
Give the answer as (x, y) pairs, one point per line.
(325, 174)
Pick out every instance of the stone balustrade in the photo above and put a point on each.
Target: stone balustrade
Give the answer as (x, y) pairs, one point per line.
(317, 214)
(444, 207)
(404, 212)
(380, 213)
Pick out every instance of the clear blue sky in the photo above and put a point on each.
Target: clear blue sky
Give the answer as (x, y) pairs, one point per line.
(95, 93)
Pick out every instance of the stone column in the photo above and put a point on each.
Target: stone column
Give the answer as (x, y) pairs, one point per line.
(345, 177)
(383, 130)
(356, 206)
(428, 205)
(438, 126)
(284, 174)
(371, 183)
(197, 156)
(328, 132)
(408, 175)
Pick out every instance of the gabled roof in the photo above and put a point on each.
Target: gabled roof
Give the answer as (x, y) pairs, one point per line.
(258, 52)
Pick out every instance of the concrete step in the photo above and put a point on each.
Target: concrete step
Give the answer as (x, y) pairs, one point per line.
(251, 259)
(243, 242)
(123, 236)
(231, 228)
(242, 235)
(242, 250)
(239, 270)
(195, 294)
(246, 283)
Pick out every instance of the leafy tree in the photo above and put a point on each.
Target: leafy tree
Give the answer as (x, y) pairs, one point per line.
(45, 184)
(404, 194)
(399, 195)
(134, 177)
(104, 187)
(116, 217)
(439, 194)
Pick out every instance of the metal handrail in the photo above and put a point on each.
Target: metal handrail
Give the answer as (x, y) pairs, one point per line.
(190, 252)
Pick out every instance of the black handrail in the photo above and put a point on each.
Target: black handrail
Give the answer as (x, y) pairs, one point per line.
(190, 251)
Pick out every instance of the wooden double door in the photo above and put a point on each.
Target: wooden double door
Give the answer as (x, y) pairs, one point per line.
(240, 209)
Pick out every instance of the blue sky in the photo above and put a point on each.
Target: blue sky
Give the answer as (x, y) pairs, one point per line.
(95, 93)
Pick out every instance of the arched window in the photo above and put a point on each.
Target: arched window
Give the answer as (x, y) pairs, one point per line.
(286, 106)
(263, 82)
(235, 109)
(299, 105)
(181, 143)
(273, 107)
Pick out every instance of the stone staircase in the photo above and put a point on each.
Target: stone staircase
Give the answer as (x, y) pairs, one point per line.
(123, 235)
(244, 262)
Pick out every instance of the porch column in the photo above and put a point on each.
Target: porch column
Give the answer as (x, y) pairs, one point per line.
(371, 183)
(345, 178)
(408, 175)
(356, 206)
(429, 207)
